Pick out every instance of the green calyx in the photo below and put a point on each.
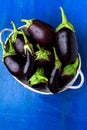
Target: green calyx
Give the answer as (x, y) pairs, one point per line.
(65, 23)
(42, 53)
(28, 46)
(58, 63)
(15, 32)
(71, 68)
(38, 77)
(9, 52)
(28, 22)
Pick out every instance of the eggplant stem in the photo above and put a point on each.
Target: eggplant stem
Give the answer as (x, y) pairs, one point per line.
(75, 64)
(27, 45)
(42, 53)
(65, 23)
(25, 38)
(64, 19)
(58, 63)
(11, 48)
(15, 32)
(3, 48)
(71, 68)
(14, 26)
(28, 22)
(38, 46)
(37, 77)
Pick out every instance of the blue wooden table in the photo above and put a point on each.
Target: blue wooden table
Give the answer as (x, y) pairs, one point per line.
(22, 109)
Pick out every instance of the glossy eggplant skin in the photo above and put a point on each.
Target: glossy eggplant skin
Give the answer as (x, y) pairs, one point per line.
(66, 45)
(20, 66)
(14, 64)
(39, 86)
(29, 65)
(65, 79)
(53, 81)
(19, 44)
(42, 33)
(45, 63)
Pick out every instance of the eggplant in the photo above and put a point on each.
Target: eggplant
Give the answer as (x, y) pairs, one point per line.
(20, 41)
(53, 82)
(68, 73)
(43, 56)
(17, 65)
(64, 80)
(41, 32)
(17, 40)
(39, 86)
(29, 65)
(24, 50)
(12, 61)
(19, 44)
(38, 78)
(66, 43)
(45, 59)
(14, 64)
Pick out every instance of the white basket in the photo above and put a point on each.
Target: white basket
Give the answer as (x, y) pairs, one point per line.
(46, 90)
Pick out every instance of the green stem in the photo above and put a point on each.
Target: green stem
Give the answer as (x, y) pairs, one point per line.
(38, 77)
(71, 68)
(42, 53)
(38, 46)
(28, 45)
(58, 63)
(25, 38)
(11, 48)
(10, 51)
(16, 31)
(3, 48)
(75, 64)
(14, 27)
(65, 23)
(14, 35)
(28, 22)
(64, 19)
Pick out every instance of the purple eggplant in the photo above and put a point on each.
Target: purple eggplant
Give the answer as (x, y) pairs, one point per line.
(14, 64)
(17, 65)
(24, 50)
(17, 40)
(29, 65)
(12, 61)
(45, 59)
(66, 43)
(20, 41)
(68, 73)
(41, 32)
(53, 82)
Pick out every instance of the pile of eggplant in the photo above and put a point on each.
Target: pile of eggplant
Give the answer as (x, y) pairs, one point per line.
(42, 55)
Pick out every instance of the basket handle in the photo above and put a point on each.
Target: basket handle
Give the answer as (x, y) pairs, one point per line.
(4, 30)
(81, 82)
